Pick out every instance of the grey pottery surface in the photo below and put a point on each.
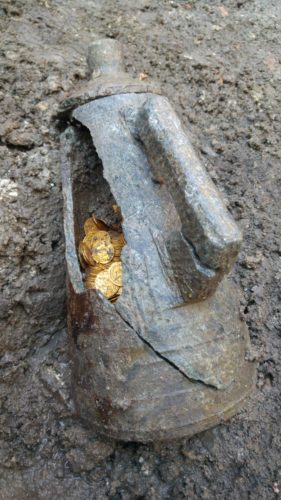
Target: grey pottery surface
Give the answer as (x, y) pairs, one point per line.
(168, 359)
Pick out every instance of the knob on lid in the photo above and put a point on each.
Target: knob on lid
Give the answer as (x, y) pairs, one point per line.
(108, 77)
(105, 56)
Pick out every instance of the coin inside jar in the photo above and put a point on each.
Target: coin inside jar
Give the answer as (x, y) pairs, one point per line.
(99, 253)
(85, 255)
(93, 237)
(115, 273)
(117, 239)
(105, 285)
(102, 252)
(90, 225)
(118, 242)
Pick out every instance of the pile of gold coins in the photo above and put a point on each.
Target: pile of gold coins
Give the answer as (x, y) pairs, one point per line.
(100, 257)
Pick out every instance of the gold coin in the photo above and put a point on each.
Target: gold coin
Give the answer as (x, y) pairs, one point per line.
(89, 283)
(105, 285)
(117, 239)
(116, 258)
(118, 244)
(117, 247)
(117, 253)
(80, 253)
(99, 254)
(92, 238)
(115, 273)
(102, 252)
(85, 255)
(90, 225)
(116, 209)
(93, 271)
(91, 274)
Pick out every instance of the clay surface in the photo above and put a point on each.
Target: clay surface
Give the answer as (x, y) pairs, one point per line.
(219, 65)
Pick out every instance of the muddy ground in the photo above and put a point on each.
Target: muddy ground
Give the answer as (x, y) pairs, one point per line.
(219, 65)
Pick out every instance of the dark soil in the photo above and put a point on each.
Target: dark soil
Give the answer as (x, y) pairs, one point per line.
(219, 65)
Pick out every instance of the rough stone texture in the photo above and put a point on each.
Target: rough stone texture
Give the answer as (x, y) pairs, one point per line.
(219, 66)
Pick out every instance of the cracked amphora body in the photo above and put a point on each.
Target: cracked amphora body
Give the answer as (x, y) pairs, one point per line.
(168, 359)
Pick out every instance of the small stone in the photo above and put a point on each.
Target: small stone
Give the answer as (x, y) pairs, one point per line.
(223, 11)
(216, 27)
(23, 138)
(276, 488)
(143, 76)
(54, 83)
(256, 93)
(252, 261)
(11, 55)
(8, 126)
(42, 105)
(8, 190)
